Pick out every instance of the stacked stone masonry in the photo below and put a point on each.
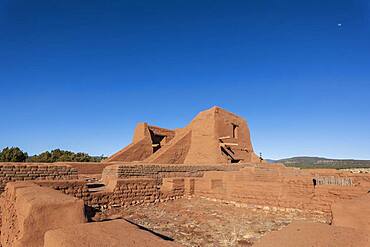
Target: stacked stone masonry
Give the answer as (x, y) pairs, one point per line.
(253, 184)
(34, 171)
(134, 184)
(271, 186)
(35, 216)
(161, 171)
(126, 192)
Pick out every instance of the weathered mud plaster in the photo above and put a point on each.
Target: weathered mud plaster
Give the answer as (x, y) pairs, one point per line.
(213, 136)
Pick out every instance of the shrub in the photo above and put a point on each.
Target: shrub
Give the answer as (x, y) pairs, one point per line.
(13, 154)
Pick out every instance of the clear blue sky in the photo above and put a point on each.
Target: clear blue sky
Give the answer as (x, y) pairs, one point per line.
(78, 75)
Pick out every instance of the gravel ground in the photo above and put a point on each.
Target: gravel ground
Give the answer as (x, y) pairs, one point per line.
(202, 222)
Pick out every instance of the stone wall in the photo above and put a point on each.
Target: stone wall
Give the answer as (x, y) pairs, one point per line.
(125, 192)
(34, 171)
(127, 184)
(173, 188)
(267, 185)
(119, 171)
(277, 186)
(86, 167)
(34, 216)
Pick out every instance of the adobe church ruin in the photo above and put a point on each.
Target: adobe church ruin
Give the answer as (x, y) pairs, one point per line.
(214, 136)
(46, 204)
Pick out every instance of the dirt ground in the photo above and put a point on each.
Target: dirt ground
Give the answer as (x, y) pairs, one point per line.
(203, 222)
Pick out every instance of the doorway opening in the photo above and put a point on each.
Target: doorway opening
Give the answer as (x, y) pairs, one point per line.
(156, 140)
(235, 131)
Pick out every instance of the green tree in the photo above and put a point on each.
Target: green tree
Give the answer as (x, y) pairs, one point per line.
(13, 154)
(44, 157)
(58, 155)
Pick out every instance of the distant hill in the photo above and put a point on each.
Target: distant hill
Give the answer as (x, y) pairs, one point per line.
(319, 162)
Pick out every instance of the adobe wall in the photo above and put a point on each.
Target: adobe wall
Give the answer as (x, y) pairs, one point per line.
(128, 184)
(125, 192)
(131, 184)
(213, 136)
(34, 216)
(215, 140)
(85, 167)
(130, 170)
(142, 143)
(278, 186)
(173, 152)
(269, 185)
(11, 171)
(29, 210)
(265, 185)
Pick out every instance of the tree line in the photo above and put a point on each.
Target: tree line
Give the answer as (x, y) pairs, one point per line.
(15, 154)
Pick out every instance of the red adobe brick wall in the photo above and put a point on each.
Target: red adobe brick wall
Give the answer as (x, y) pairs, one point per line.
(126, 192)
(270, 185)
(132, 170)
(10, 171)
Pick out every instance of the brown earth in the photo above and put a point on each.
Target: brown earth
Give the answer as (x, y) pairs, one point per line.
(308, 234)
(115, 233)
(203, 222)
(353, 213)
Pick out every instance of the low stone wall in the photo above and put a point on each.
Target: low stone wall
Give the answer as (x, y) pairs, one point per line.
(272, 186)
(174, 188)
(86, 168)
(126, 192)
(35, 216)
(34, 171)
(76, 188)
(267, 185)
(130, 170)
(57, 174)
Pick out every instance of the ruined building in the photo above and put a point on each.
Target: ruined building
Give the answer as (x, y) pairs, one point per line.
(213, 136)
(50, 204)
